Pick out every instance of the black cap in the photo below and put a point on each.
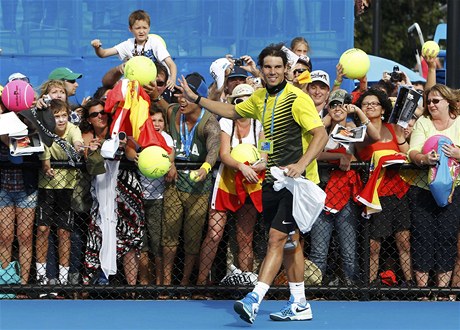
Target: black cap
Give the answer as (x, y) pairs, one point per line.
(238, 72)
(197, 83)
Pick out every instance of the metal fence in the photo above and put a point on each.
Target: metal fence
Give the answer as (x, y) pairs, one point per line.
(344, 258)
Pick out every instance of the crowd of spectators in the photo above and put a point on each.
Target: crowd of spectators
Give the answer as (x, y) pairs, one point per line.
(156, 229)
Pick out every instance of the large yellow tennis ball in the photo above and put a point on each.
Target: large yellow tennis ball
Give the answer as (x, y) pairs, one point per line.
(159, 38)
(355, 63)
(153, 162)
(245, 152)
(140, 68)
(430, 49)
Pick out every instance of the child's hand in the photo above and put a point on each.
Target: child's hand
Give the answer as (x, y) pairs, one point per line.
(96, 43)
(170, 85)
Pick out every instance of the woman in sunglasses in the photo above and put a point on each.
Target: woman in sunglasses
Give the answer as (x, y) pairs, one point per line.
(95, 127)
(435, 228)
(393, 217)
(300, 67)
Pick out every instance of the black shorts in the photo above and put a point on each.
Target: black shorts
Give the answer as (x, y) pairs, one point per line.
(277, 209)
(54, 208)
(394, 217)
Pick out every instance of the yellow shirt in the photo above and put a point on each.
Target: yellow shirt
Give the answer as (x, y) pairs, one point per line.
(294, 115)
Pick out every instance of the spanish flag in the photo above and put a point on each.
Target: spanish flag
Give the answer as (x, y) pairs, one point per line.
(231, 190)
(374, 188)
(129, 104)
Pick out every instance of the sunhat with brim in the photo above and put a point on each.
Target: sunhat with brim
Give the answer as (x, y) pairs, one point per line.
(240, 90)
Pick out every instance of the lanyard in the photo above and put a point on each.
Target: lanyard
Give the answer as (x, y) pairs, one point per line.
(135, 53)
(186, 137)
(273, 111)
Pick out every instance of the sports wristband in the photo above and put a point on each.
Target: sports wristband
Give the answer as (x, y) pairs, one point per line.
(206, 166)
(198, 99)
(337, 83)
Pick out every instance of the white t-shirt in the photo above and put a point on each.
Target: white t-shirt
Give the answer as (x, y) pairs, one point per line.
(153, 49)
(154, 188)
(226, 125)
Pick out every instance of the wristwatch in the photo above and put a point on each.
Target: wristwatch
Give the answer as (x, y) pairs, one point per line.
(158, 99)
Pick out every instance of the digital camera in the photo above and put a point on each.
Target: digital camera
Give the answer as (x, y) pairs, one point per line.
(396, 76)
(239, 62)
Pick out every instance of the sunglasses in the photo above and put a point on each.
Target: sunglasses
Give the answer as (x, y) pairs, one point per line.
(335, 105)
(73, 81)
(95, 114)
(160, 83)
(237, 101)
(299, 71)
(434, 101)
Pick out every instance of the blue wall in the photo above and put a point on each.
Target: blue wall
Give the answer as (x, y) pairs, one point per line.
(37, 36)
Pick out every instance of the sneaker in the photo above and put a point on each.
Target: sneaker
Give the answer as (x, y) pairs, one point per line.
(74, 278)
(247, 307)
(293, 312)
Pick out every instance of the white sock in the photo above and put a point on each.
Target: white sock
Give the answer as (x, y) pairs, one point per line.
(63, 274)
(41, 269)
(298, 291)
(261, 289)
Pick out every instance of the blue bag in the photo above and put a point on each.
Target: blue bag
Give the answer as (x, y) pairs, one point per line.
(9, 275)
(440, 178)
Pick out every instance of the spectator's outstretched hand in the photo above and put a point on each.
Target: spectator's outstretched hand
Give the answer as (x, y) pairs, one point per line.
(339, 73)
(96, 43)
(250, 66)
(431, 61)
(186, 91)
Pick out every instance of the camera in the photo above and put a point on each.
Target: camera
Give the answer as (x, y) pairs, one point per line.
(47, 100)
(239, 62)
(396, 76)
(122, 135)
(257, 81)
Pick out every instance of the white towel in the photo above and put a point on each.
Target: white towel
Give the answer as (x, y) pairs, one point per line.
(105, 185)
(308, 199)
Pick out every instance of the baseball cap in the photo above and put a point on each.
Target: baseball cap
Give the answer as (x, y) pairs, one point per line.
(305, 60)
(320, 75)
(338, 95)
(197, 83)
(18, 76)
(238, 72)
(240, 90)
(64, 74)
(217, 71)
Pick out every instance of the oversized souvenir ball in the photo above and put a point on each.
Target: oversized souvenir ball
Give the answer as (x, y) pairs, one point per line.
(140, 68)
(430, 49)
(153, 162)
(245, 152)
(159, 38)
(18, 95)
(355, 63)
(432, 143)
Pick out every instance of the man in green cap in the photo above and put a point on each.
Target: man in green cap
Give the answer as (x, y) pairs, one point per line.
(69, 77)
